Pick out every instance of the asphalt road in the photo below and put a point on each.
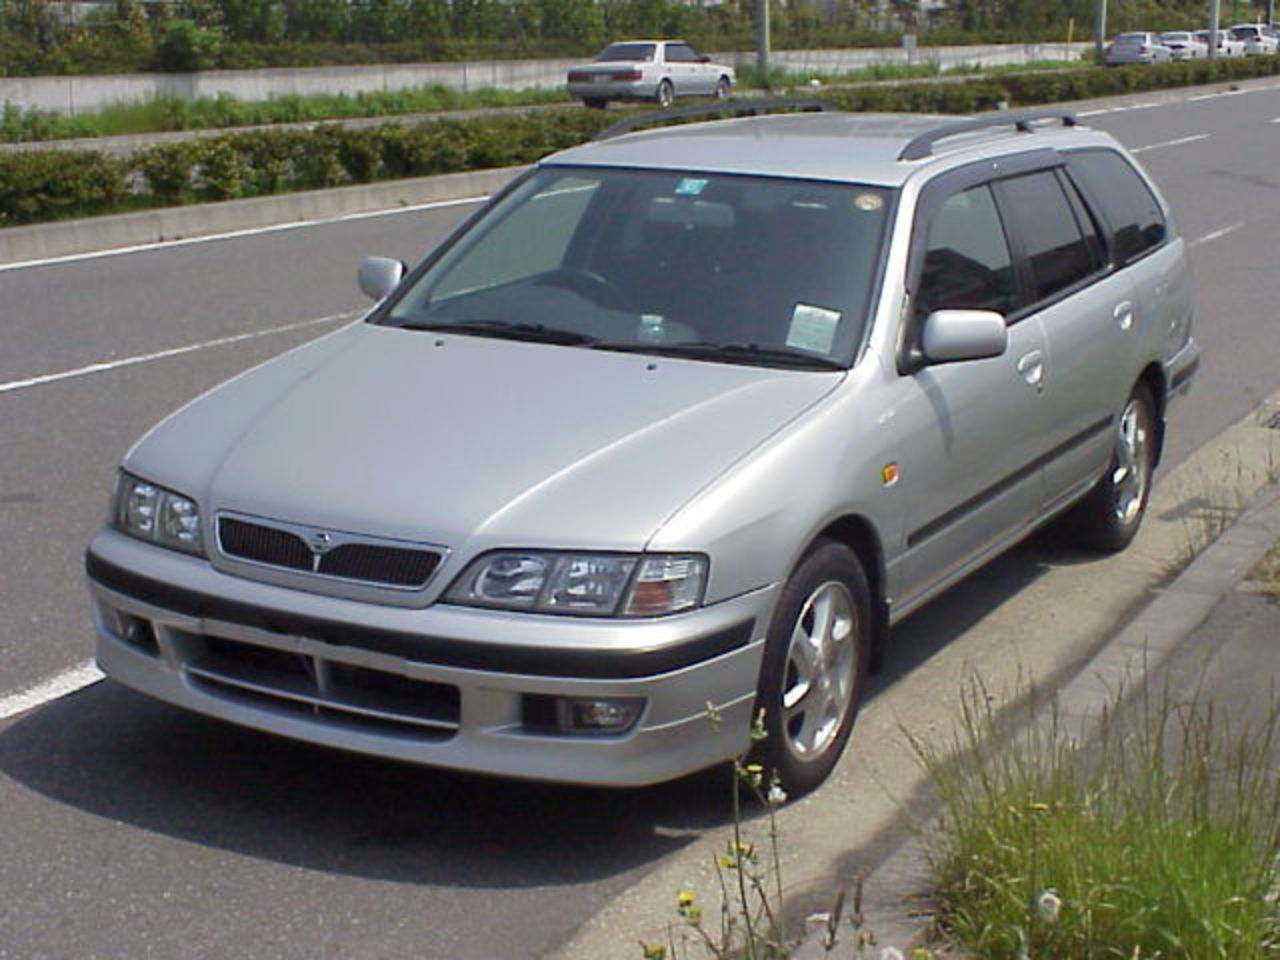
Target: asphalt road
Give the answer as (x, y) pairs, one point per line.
(131, 829)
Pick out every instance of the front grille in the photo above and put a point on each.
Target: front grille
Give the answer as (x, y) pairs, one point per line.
(310, 687)
(367, 562)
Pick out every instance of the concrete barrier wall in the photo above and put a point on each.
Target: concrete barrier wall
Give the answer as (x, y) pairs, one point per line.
(77, 94)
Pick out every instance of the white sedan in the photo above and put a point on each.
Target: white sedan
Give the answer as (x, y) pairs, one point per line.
(1185, 45)
(1228, 46)
(658, 70)
(1257, 41)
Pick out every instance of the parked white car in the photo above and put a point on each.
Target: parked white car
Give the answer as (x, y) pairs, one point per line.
(1257, 41)
(1228, 46)
(1185, 45)
(659, 70)
(1138, 47)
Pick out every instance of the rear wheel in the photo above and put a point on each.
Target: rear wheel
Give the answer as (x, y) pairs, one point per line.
(595, 103)
(815, 661)
(1109, 516)
(665, 94)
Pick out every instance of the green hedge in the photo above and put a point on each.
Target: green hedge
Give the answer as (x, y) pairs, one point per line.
(50, 185)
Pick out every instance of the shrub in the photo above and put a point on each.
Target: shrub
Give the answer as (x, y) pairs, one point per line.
(185, 46)
(51, 185)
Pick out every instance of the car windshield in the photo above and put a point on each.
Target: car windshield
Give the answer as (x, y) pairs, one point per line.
(627, 51)
(735, 269)
(1176, 37)
(1131, 39)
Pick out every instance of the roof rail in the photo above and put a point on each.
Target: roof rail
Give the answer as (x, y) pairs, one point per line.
(921, 145)
(738, 108)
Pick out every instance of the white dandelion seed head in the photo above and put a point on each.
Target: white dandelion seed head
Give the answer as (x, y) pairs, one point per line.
(1048, 905)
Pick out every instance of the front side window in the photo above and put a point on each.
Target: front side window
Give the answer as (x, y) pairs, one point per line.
(1056, 242)
(967, 263)
(727, 268)
(1136, 220)
(680, 53)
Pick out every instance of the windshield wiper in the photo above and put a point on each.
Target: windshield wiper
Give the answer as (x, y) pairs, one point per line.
(747, 353)
(533, 332)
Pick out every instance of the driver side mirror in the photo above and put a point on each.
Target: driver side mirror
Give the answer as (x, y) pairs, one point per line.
(378, 276)
(952, 335)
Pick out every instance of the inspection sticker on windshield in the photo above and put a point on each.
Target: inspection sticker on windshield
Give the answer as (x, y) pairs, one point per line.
(813, 328)
(690, 187)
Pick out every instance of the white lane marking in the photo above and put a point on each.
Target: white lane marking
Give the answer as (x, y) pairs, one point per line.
(59, 685)
(1170, 143)
(233, 234)
(1216, 234)
(171, 352)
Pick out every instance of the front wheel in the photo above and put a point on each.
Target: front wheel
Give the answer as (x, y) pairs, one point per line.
(722, 88)
(665, 94)
(1110, 514)
(815, 661)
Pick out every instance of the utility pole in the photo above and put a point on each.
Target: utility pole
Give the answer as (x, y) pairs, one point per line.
(1213, 29)
(762, 41)
(1100, 28)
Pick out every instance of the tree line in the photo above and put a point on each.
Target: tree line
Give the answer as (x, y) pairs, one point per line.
(49, 36)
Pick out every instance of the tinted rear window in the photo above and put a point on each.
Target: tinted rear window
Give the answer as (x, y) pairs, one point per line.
(626, 51)
(1123, 199)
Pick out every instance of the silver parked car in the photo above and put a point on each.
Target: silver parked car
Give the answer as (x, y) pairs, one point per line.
(1137, 48)
(681, 423)
(658, 70)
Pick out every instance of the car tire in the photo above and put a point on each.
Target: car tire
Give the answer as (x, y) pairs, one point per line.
(665, 95)
(722, 88)
(594, 103)
(1110, 514)
(815, 663)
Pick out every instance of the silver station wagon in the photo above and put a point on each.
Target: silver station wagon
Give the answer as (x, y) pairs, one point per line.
(682, 421)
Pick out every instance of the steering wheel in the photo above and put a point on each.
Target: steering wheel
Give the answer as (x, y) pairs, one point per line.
(589, 284)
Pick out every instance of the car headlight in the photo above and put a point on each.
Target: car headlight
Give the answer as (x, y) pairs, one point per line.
(585, 584)
(152, 513)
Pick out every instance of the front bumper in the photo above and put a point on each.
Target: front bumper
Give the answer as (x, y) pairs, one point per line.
(448, 686)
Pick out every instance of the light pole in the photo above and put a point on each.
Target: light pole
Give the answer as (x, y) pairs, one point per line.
(1100, 28)
(1213, 29)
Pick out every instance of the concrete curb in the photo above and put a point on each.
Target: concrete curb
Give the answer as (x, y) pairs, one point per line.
(96, 234)
(896, 908)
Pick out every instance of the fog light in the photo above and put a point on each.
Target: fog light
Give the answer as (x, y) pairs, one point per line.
(134, 631)
(603, 715)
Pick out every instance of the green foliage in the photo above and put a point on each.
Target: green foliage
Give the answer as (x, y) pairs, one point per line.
(1155, 837)
(185, 46)
(263, 162)
(51, 185)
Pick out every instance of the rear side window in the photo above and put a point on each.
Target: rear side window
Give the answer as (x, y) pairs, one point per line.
(1124, 200)
(1056, 236)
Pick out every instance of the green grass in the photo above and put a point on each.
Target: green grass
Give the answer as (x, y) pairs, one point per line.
(1157, 837)
(781, 78)
(162, 114)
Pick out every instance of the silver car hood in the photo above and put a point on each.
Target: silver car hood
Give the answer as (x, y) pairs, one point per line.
(470, 442)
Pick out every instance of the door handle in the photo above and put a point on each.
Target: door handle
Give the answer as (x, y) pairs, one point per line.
(1031, 368)
(1123, 315)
